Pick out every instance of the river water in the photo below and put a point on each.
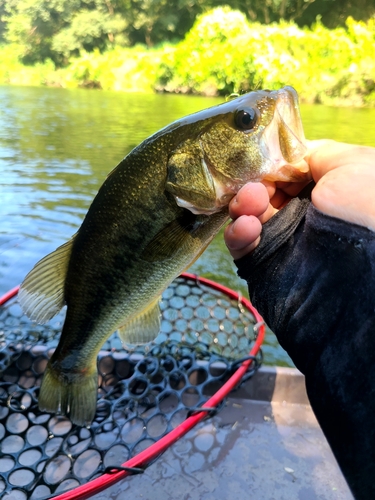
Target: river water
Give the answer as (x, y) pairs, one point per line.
(57, 146)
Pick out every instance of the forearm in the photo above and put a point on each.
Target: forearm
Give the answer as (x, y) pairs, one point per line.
(312, 278)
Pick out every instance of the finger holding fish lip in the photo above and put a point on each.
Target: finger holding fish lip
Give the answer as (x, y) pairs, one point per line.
(254, 199)
(256, 203)
(251, 199)
(249, 209)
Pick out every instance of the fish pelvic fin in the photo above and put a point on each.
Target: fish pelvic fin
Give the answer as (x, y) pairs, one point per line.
(41, 294)
(74, 396)
(144, 327)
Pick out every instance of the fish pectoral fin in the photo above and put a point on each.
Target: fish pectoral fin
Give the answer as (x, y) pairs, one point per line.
(41, 293)
(74, 395)
(172, 237)
(166, 243)
(144, 327)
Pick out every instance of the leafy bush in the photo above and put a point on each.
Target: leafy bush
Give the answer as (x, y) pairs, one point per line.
(224, 53)
(13, 72)
(129, 70)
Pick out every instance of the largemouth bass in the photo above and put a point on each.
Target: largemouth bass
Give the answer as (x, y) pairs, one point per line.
(154, 215)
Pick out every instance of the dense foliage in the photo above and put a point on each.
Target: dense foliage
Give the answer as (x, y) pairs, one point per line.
(221, 54)
(58, 29)
(224, 53)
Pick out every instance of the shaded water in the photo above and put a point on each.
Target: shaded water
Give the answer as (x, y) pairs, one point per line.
(57, 146)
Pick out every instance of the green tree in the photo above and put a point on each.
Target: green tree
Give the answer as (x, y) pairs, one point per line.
(56, 29)
(155, 21)
(304, 12)
(2, 20)
(267, 11)
(90, 29)
(334, 13)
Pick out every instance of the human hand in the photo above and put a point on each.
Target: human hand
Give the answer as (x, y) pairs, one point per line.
(345, 180)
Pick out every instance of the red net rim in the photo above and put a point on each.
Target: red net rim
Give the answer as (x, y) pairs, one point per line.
(145, 457)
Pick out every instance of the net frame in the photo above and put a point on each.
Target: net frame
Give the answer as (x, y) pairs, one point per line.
(139, 462)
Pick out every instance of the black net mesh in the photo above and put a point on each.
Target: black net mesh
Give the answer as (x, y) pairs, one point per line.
(143, 393)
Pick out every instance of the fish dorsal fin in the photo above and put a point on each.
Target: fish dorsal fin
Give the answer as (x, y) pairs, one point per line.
(41, 294)
(144, 327)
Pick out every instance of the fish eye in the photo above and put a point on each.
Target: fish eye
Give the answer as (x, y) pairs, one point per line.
(245, 119)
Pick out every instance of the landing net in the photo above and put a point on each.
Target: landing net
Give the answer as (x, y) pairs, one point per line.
(148, 397)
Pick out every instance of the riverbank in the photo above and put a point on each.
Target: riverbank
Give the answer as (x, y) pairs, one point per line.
(221, 54)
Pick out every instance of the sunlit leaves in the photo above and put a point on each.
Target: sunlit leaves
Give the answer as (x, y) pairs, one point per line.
(223, 53)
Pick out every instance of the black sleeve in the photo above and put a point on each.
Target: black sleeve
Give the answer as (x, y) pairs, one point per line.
(313, 279)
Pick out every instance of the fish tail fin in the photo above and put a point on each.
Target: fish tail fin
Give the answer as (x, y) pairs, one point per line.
(72, 396)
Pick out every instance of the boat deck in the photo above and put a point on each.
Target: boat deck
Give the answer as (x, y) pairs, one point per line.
(265, 444)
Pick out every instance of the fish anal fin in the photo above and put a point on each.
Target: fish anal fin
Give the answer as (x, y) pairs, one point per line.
(144, 327)
(74, 396)
(41, 293)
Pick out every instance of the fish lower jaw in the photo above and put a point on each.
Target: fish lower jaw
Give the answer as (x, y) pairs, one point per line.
(223, 196)
(193, 208)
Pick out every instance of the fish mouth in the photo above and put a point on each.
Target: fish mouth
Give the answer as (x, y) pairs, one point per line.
(283, 140)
